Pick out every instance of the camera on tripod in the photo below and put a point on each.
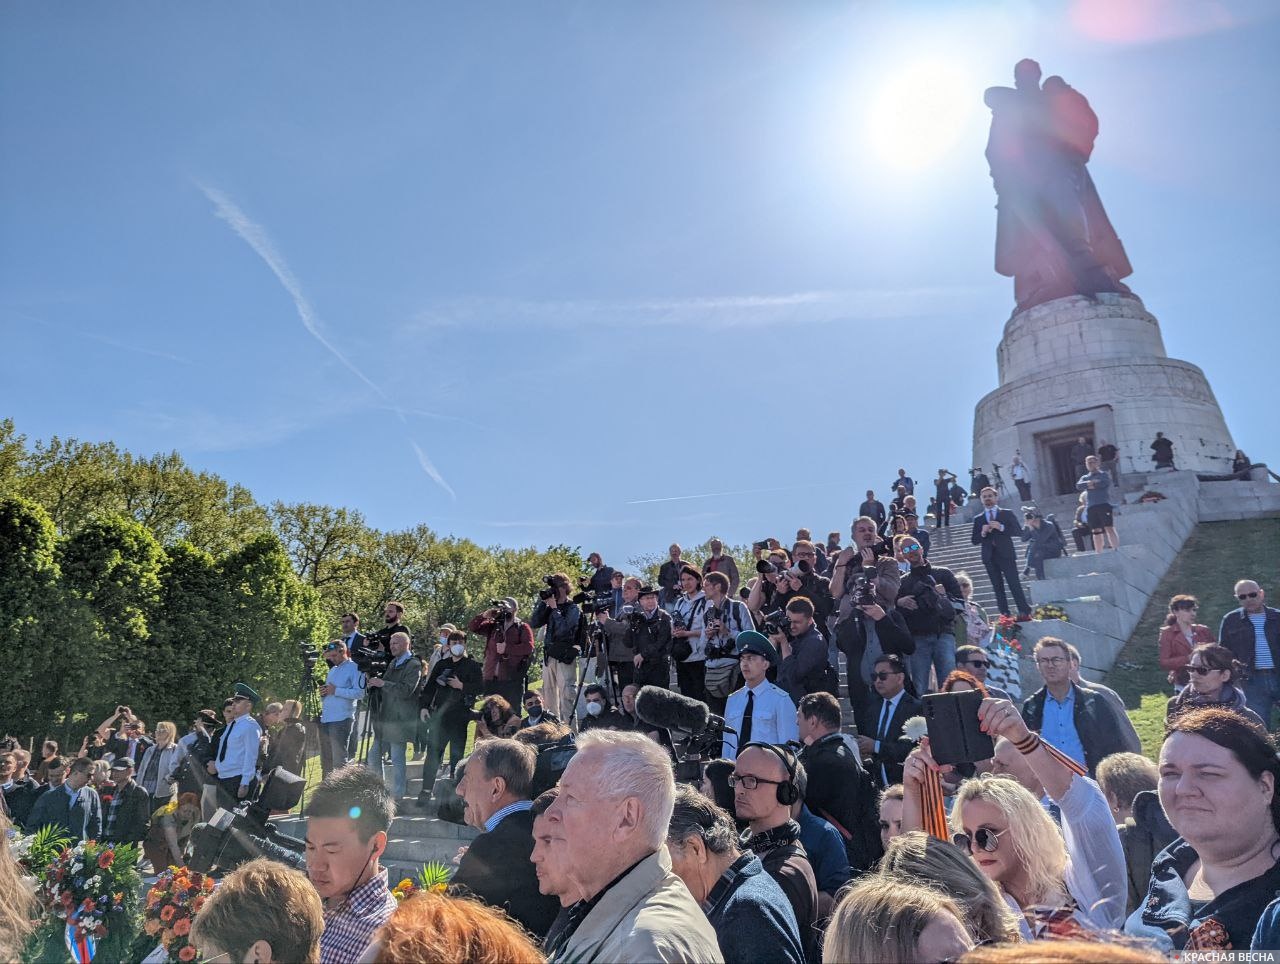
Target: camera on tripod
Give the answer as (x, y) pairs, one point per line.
(307, 653)
(593, 602)
(369, 660)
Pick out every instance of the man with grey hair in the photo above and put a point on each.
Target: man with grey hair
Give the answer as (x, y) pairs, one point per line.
(1252, 633)
(614, 808)
(752, 919)
(496, 786)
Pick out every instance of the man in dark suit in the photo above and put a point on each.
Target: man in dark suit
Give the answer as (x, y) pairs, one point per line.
(496, 787)
(73, 806)
(880, 731)
(351, 634)
(994, 529)
(127, 815)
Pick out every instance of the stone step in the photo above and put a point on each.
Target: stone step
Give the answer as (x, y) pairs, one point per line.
(1101, 617)
(1134, 564)
(1097, 651)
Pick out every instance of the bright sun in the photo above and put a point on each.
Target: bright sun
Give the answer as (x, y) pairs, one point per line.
(917, 117)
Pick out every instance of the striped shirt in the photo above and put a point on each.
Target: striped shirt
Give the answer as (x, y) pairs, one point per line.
(349, 928)
(499, 815)
(1261, 650)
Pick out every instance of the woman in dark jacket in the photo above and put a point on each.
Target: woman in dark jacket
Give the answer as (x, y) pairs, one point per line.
(289, 741)
(1214, 671)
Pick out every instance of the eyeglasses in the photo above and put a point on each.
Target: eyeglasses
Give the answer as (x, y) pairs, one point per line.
(984, 837)
(1202, 670)
(910, 546)
(1050, 660)
(976, 663)
(1246, 595)
(881, 677)
(750, 782)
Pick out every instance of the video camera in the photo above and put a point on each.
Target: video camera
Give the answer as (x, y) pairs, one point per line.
(549, 592)
(864, 587)
(370, 660)
(232, 837)
(307, 653)
(593, 602)
(696, 733)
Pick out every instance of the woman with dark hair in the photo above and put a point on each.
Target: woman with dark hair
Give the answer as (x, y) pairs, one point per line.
(715, 784)
(1214, 671)
(1179, 635)
(1218, 776)
(496, 718)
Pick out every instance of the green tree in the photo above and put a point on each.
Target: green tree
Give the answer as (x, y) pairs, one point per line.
(28, 612)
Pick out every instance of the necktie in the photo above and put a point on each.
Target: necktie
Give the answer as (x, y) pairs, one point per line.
(991, 515)
(744, 731)
(226, 741)
(883, 728)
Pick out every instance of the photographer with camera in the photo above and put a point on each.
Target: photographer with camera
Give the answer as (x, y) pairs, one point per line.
(650, 629)
(611, 644)
(601, 579)
(398, 715)
(929, 598)
(562, 643)
(392, 614)
(687, 644)
(865, 586)
(804, 667)
(344, 684)
(450, 691)
(802, 579)
(723, 619)
(765, 585)
(508, 648)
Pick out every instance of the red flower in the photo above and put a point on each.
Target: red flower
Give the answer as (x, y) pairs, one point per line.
(106, 858)
(166, 915)
(188, 953)
(182, 928)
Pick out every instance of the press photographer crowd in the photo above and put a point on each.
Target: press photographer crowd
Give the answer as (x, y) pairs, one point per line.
(830, 759)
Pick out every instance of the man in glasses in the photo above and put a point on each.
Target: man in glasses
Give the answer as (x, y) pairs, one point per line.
(1252, 633)
(928, 596)
(880, 729)
(975, 661)
(1075, 719)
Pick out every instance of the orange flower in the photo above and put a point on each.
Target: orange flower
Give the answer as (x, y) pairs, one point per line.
(207, 885)
(105, 859)
(152, 927)
(196, 905)
(188, 953)
(166, 915)
(183, 927)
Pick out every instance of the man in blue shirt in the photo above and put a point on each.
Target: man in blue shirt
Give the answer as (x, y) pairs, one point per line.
(1096, 486)
(759, 711)
(343, 686)
(1078, 721)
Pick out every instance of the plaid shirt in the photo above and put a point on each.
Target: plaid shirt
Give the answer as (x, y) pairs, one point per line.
(349, 928)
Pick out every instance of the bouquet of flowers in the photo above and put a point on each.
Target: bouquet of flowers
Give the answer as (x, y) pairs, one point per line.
(433, 878)
(89, 893)
(1049, 611)
(172, 904)
(34, 852)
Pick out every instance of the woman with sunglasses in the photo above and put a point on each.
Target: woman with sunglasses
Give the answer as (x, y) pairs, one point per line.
(1218, 775)
(1214, 672)
(1179, 636)
(1060, 882)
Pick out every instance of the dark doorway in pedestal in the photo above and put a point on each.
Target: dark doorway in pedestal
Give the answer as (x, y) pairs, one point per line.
(1059, 470)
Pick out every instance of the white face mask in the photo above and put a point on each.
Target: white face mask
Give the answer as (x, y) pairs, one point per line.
(594, 709)
(457, 649)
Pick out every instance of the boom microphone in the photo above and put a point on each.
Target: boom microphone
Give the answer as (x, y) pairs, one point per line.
(670, 711)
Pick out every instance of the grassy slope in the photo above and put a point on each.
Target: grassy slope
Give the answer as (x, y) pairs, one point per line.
(1215, 556)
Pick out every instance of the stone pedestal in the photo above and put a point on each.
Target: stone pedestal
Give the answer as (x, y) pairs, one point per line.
(1075, 367)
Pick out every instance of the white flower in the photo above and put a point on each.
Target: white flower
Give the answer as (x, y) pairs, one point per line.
(915, 729)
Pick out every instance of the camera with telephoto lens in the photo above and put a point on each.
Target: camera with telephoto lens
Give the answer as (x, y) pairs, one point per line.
(549, 592)
(777, 622)
(864, 587)
(801, 568)
(634, 616)
(764, 567)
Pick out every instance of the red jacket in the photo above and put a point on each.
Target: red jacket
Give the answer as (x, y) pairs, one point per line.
(519, 639)
(1175, 651)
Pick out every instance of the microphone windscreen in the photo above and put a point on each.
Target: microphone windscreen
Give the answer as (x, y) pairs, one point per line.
(670, 711)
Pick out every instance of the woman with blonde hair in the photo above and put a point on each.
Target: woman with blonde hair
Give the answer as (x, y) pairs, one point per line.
(895, 922)
(158, 771)
(916, 857)
(1060, 882)
(17, 903)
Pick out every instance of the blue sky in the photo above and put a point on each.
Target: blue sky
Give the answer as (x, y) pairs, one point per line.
(535, 272)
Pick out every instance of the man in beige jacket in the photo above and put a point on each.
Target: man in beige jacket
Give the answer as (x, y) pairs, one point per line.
(614, 805)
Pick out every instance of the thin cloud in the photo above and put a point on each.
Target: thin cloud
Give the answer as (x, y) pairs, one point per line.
(716, 495)
(716, 312)
(562, 524)
(254, 235)
(101, 339)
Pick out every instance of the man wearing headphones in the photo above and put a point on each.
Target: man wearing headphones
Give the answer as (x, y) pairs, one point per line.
(764, 788)
(347, 823)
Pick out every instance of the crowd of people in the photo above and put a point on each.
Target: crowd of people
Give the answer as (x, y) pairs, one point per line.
(810, 830)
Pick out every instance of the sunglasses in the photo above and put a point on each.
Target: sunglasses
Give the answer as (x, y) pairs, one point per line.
(988, 840)
(883, 676)
(977, 664)
(910, 547)
(1247, 595)
(1203, 670)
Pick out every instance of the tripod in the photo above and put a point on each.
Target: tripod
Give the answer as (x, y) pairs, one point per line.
(997, 481)
(309, 698)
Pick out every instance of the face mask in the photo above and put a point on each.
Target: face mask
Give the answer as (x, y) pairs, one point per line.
(594, 709)
(457, 649)
(444, 640)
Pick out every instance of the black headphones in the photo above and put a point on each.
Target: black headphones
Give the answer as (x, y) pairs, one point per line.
(787, 790)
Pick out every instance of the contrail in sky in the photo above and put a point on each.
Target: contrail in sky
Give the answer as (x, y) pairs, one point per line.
(254, 235)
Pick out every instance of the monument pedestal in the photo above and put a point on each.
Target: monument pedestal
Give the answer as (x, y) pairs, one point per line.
(1079, 367)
